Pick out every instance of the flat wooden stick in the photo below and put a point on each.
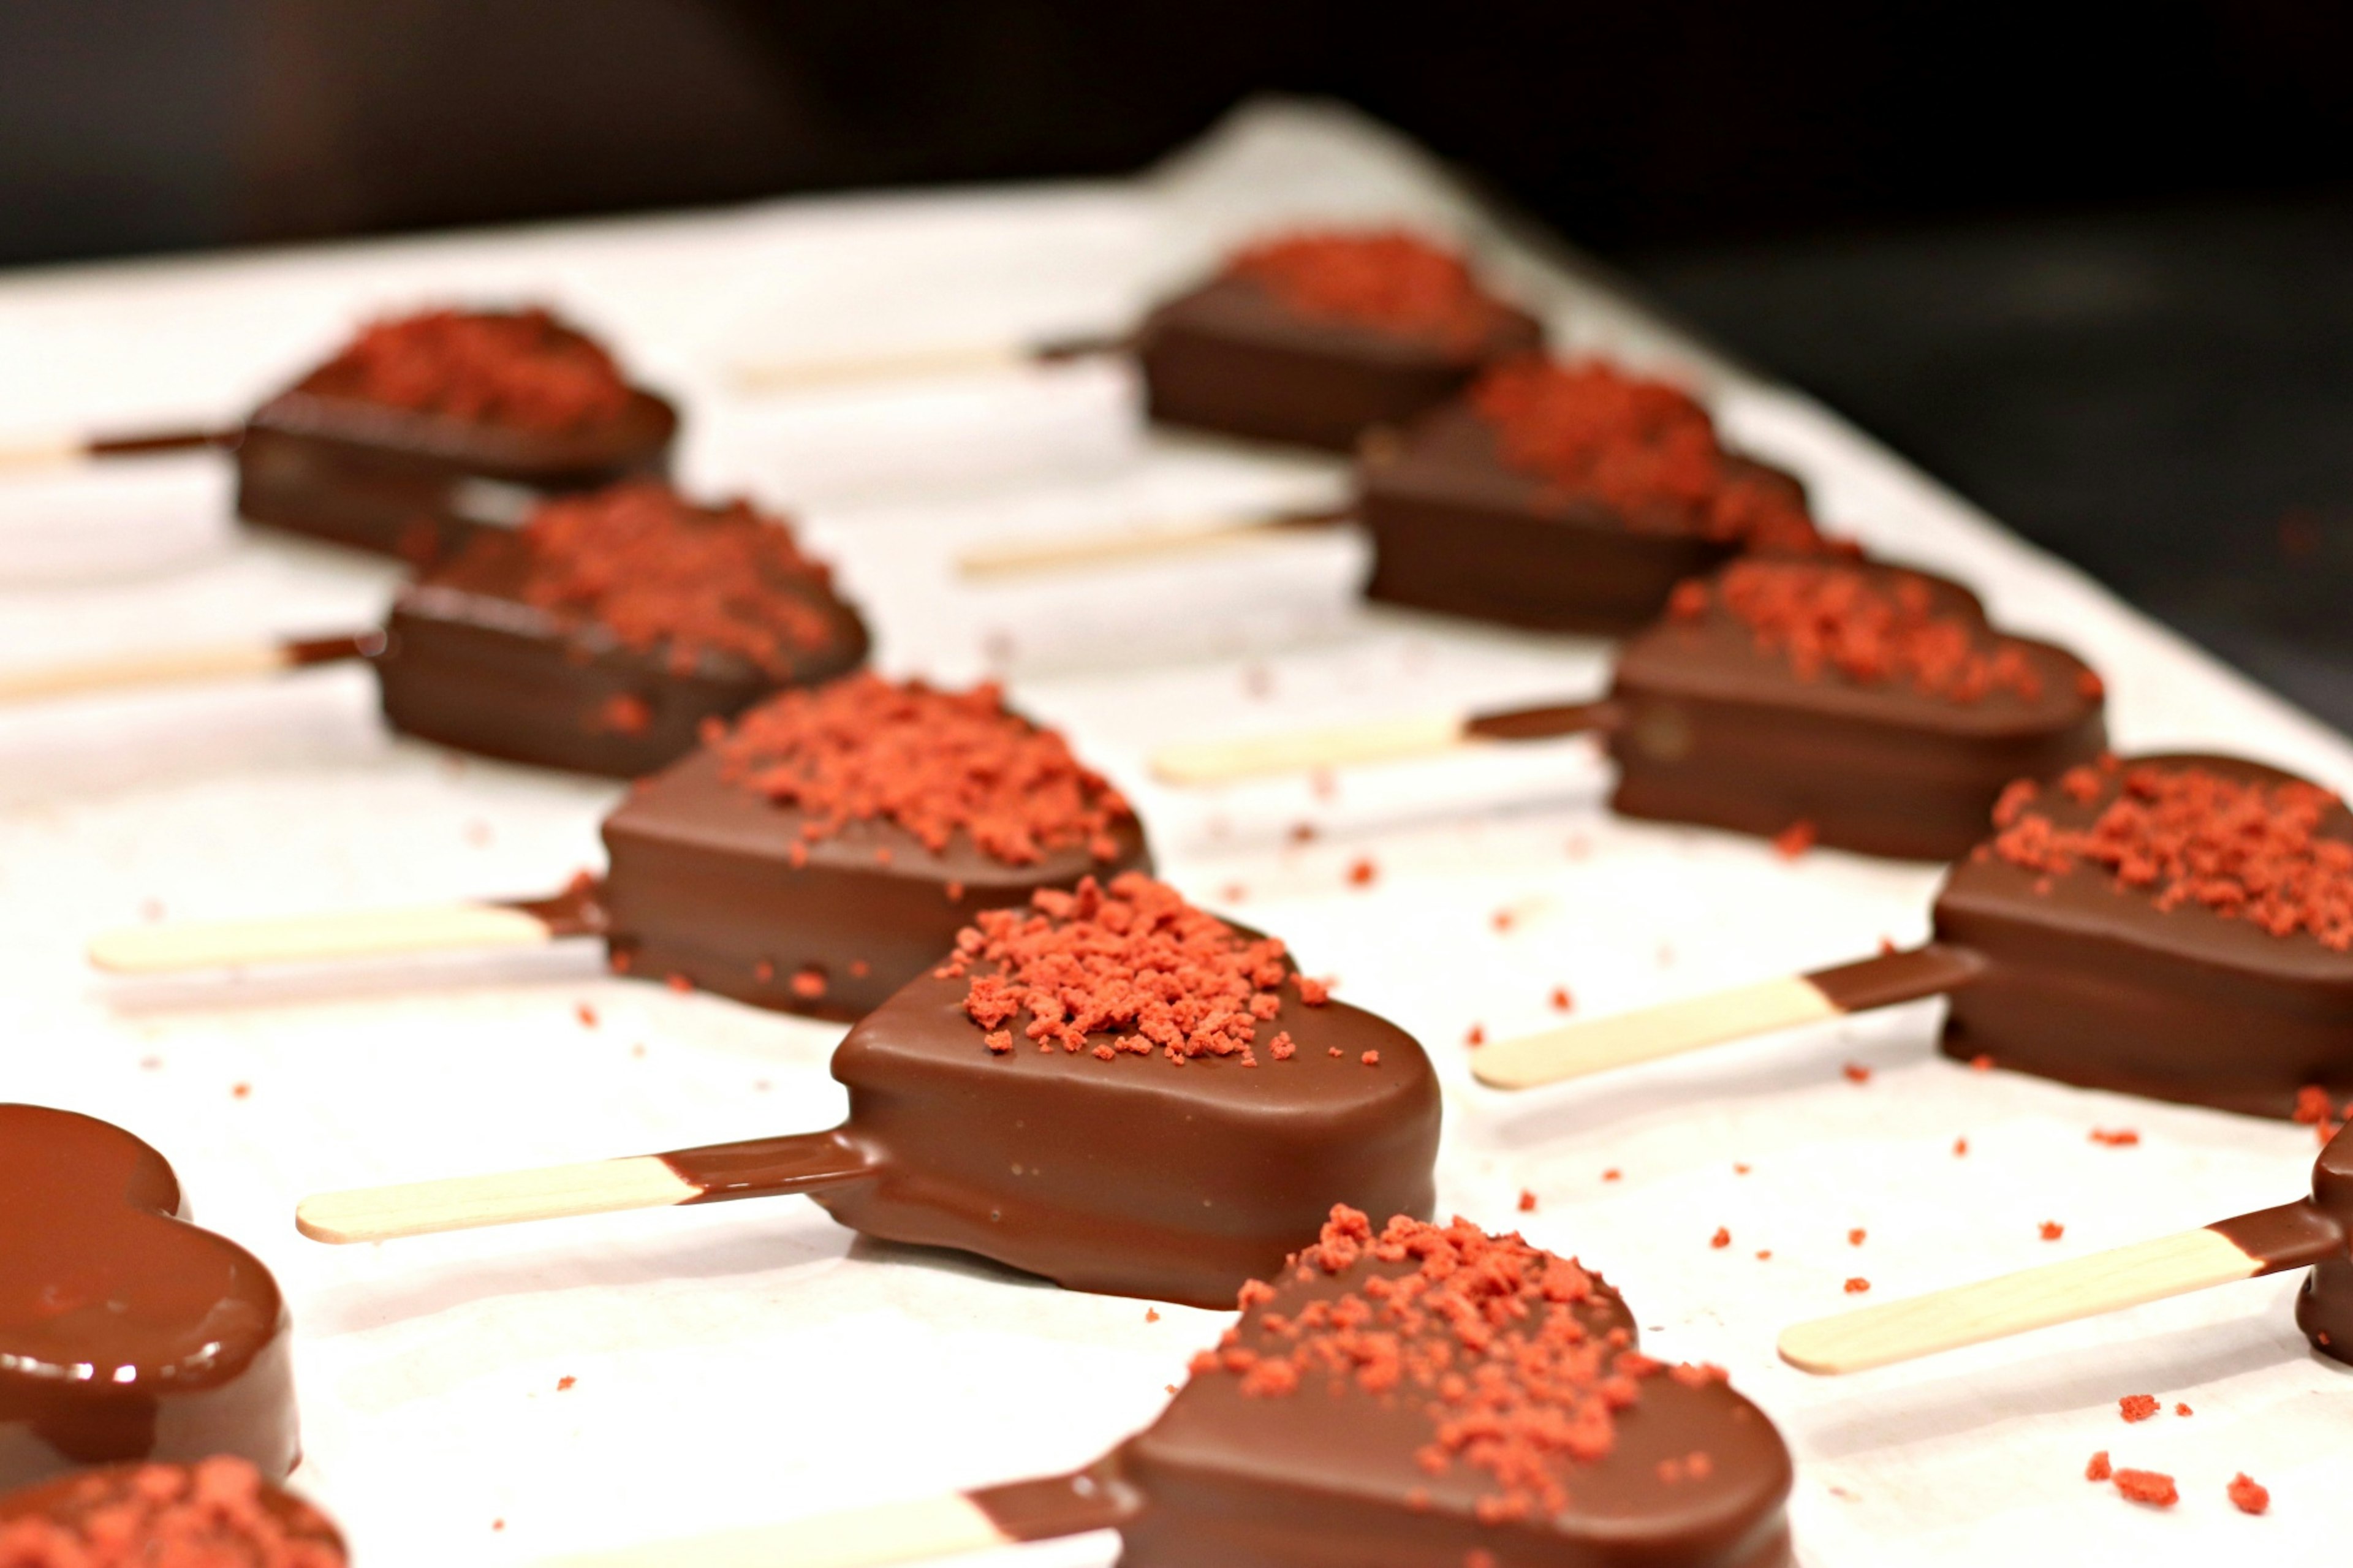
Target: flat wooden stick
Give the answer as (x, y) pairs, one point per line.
(2015, 1303)
(1025, 557)
(905, 364)
(216, 945)
(510, 1197)
(63, 451)
(183, 666)
(1295, 752)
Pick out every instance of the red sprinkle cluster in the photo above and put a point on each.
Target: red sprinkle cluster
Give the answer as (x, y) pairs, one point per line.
(1643, 447)
(1872, 628)
(863, 748)
(2246, 850)
(1483, 1333)
(655, 569)
(210, 1514)
(1390, 279)
(524, 369)
(1132, 960)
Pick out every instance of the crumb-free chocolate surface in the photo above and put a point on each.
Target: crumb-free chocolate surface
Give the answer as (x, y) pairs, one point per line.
(126, 1332)
(2092, 985)
(702, 885)
(1230, 357)
(1457, 529)
(469, 663)
(1716, 730)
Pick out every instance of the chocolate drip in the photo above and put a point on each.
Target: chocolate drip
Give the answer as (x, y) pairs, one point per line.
(578, 911)
(1544, 723)
(1093, 1498)
(302, 652)
(1894, 977)
(769, 1167)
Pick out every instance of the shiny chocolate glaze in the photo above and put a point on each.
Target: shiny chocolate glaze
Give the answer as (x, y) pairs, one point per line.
(1134, 1177)
(1323, 1477)
(1230, 357)
(1894, 977)
(419, 485)
(125, 1332)
(1716, 731)
(469, 664)
(2092, 985)
(702, 886)
(2310, 1233)
(71, 1501)
(1457, 529)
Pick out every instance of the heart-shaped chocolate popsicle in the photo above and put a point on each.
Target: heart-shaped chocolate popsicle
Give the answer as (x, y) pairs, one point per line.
(1413, 1396)
(1110, 1087)
(126, 1332)
(217, 1512)
(2180, 927)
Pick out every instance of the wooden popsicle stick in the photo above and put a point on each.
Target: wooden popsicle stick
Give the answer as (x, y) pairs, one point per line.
(1252, 756)
(63, 451)
(1577, 1050)
(1022, 557)
(906, 364)
(361, 933)
(183, 666)
(2016, 1303)
(510, 1197)
(872, 1537)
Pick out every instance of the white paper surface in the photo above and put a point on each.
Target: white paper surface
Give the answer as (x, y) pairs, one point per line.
(750, 1362)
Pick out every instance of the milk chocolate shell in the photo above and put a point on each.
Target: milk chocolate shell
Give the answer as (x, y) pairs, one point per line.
(125, 1332)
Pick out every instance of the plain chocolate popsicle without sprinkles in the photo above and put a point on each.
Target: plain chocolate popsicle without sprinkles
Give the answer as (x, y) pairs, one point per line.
(216, 1512)
(2310, 1233)
(1412, 1397)
(1109, 1088)
(814, 857)
(2180, 927)
(1874, 705)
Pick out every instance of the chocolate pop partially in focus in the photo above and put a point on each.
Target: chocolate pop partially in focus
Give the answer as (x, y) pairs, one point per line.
(1421, 1397)
(217, 1512)
(814, 857)
(2311, 1232)
(2180, 927)
(126, 1332)
(1869, 708)
(1109, 1088)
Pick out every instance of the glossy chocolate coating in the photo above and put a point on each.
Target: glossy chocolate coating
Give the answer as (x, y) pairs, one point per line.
(125, 1332)
(702, 885)
(70, 1502)
(471, 664)
(1322, 1480)
(2325, 1308)
(1133, 1177)
(1714, 730)
(2095, 986)
(401, 482)
(1230, 357)
(1457, 529)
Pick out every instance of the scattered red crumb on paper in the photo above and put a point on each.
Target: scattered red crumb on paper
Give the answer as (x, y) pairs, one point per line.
(2180, 1409)
(1960, 1147)
(2116, 1138)
(1723, 1237)
(2152, 1486)
(1362, 871)
(1503, 919)
(2137, 1406)
(1561, 1000)
(2052, 1230)
(1854, 1238)
(564, 1383)
(2250, 1495)
(242, 1091)
(1527, 1201)
(1763, 1253)
(1856, 1072)
(1151, 1314)
(1740, 1169)
(586, 1013)
(1612, 1174)
(1476, 1036)
(1857, 1286)
(2098, 1469)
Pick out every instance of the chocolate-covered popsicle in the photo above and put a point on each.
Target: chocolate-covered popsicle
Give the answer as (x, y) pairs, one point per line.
(1109, 1087)
(125, 1331)
(217, 1513)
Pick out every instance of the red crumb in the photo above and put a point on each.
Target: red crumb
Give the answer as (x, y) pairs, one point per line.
(623, 713)
(1887, 948)
(1739, 1168)
(638, 1050)
(2248, 1494)
(764, 972)
(808, 982)
(1389, 278)
(1527, 1201)
(1612, 1174)
(2184, 836)
(2137, 1406)
(1856, 1072)
(621, 960)
(2180, 1409)
(2151, 1486)
(1282, 1049)
(863, 749)
(1872, 627)
(1132, 962)
(1499, 1345)
(1723, 1237)
(1855, 1236)
(241, 1090)
(1960, 1147)
(1302, 833)
(1151, 1314)
(1795, 839)
(1981, 1063)
(2312, 1105)
(526, 370)
(586, 1013)
(497, 1525)
(563, 1385)
(1361, 871)
(1371, 1058)
(2116, 1138)
(215, 1513)
(2099, 1469)
(1857, 1286)
(1561, 1000)
(1475, 1037)
(1313, 992)
(677, 983)
(1642, 448)
(1503, 919)
(2052, 1230)
(1763, 1253)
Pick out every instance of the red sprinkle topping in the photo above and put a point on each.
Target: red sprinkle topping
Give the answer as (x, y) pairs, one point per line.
(1135, 961)
(2147, 1486)
(1389, 278)
(1871, 627)
(210, 1514)
(1481, 1332)
(1795, 839)
(932, 762)
(2250, 1495)
(2137, 1406)
(2250, 851)
(657, 570)
(525, 370)
(2099, 1469)
(1640, 447)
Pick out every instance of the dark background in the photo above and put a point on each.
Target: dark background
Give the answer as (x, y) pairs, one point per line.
(2095, 269)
